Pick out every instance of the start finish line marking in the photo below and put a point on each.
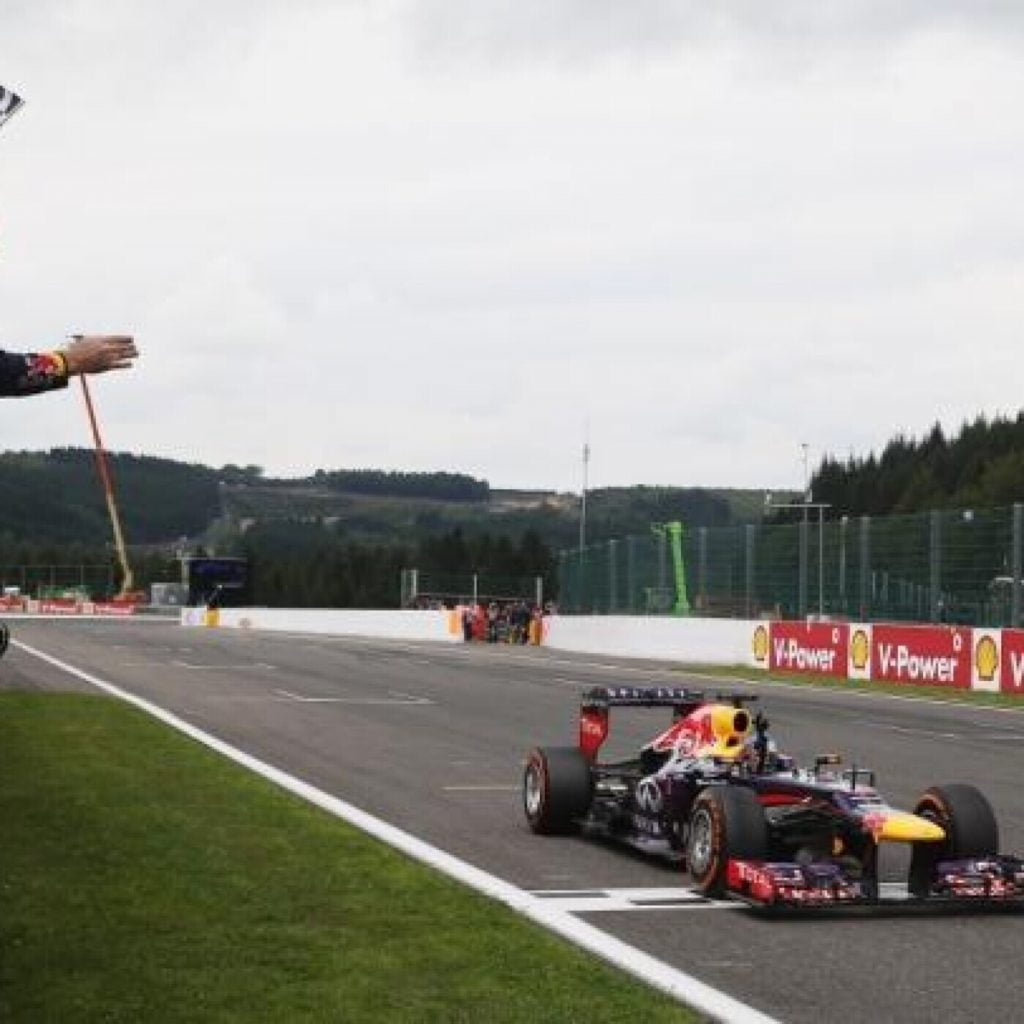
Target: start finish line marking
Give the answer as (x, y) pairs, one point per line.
(391, 698)
(589, 901)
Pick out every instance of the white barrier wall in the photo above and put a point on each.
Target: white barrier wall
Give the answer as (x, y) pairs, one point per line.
(704, 641)
(395, 625)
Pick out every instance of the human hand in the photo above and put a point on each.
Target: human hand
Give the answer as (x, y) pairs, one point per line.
(97, 353)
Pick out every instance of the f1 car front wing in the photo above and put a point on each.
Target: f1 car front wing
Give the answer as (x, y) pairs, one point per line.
(995, 880)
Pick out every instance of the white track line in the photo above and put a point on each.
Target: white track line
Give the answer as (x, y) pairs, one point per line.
(681, 986)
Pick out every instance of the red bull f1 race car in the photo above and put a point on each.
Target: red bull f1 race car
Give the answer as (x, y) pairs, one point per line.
(712, 790)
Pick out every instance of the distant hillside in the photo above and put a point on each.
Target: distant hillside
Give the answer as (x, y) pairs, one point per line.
(55, 497)
(611, 512)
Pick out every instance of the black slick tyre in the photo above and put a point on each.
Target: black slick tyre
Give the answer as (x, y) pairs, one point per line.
(726, 822)
(966, 816)
(557, 789)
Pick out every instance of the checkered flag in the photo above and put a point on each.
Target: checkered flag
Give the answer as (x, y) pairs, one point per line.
(9, 103)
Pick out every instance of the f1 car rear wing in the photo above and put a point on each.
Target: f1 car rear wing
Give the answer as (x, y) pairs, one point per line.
(596, 703)
(643, 697)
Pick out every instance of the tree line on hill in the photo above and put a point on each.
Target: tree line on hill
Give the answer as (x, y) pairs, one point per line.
(56, 497)
(436, 486)
(53, 513)
(299, 565)
(982, 466)
(312, 565)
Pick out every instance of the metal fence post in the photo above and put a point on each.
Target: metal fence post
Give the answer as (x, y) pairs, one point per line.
(702, 567)
(865, 566)
(844, 523)
(801, 602)
(662, 566)
(935, 566)
(613, 576)
(631, 574)
(749, 570)
(1018, 529)
(564, 586)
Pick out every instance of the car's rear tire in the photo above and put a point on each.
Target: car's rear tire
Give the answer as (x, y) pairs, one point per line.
(969, 822)
(726, 822)
(557, 789)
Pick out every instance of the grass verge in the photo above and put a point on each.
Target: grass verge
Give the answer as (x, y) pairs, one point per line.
(909, 691)
(143, 878)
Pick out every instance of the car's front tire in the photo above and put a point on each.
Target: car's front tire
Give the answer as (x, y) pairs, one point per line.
(726, 822)
(967, 818)
(557, 789)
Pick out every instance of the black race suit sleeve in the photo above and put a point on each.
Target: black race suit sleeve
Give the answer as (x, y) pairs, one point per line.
(28, 373)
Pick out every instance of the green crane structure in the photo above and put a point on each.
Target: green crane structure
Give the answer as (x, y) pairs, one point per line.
(674, 532)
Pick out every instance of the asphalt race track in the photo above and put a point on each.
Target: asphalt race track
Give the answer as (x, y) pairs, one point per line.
(431, 738)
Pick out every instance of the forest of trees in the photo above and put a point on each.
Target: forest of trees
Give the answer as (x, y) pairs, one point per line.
(312, 565)
(981, 467)
(438, 486)
(56, 497)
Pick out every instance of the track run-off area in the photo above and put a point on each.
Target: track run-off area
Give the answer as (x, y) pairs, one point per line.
(430, 739)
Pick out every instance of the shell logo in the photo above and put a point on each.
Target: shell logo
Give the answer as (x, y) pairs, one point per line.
(986, 658)
(860, 650)
(759, 645)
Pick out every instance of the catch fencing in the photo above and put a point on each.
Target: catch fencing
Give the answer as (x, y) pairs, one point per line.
(422, 589)
(58, 581)
(951, 565)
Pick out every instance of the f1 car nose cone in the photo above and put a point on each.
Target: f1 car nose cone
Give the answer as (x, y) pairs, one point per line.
(900, 827)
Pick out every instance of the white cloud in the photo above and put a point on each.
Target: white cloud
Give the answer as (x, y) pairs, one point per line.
(443, 235)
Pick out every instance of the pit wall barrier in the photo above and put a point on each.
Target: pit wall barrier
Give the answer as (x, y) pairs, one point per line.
(708, 641)
(956, 657)
(390, 625)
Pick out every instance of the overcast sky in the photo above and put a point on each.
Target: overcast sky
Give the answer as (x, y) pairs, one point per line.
(451, 234)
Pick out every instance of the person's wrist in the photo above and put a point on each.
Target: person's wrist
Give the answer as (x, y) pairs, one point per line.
(63, 367)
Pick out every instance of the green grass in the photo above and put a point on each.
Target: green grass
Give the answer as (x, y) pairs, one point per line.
(943, 693)
(143, 878)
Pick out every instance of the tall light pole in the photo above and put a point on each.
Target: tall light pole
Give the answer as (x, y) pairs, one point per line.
(583, 523)
(807, 504)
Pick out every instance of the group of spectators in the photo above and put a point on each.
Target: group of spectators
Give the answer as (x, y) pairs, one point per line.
(512, 622)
